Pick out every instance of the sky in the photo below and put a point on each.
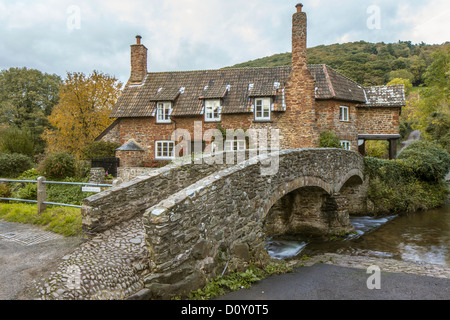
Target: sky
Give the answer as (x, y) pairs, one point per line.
(60, 36)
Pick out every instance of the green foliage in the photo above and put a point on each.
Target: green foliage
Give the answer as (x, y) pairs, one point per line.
(414, 181)
(329, 140)
(237, 280)
(65, 221)
(67, 194)
(5, 191)
(31, 174)
(12, 165)
(366, 63)
(27, 192)
(27, 98)
(14, 140)
(59, 166)
(428, 160)
(377, 149)
(438, 129)
(100, 149)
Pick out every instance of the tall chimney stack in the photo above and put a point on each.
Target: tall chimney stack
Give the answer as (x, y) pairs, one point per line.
(299, 32)
(138, 61)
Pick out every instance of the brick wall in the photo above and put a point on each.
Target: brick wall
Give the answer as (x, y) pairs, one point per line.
(381, 120)
(327, 113)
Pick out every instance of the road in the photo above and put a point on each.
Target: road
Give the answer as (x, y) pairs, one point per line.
(28, 253)
(330, 282)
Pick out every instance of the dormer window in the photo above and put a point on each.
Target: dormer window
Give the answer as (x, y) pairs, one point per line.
(212, 110)
(262, 109)
(163, 112)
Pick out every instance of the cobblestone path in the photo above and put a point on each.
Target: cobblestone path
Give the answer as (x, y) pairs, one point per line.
(110, 266)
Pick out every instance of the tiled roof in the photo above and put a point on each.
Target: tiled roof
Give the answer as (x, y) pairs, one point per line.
(385, 96)
(138, 101)
(188, 89)
(330, 84)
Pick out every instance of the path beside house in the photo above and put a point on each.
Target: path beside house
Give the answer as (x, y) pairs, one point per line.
(110, 266)
(28, 252)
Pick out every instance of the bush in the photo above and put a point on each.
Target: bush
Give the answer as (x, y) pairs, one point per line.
(414, 181)
(59, 166)
(17, 141)
(101, 149)
(28, 192)
(329, 140)
(5, 191)
(12, 165)
(428, 160)
(68, 194)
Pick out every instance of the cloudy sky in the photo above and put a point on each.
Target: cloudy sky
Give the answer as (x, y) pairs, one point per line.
(60, 36)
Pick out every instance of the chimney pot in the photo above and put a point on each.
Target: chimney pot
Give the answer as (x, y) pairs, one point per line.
(138, 39)
(299, 7)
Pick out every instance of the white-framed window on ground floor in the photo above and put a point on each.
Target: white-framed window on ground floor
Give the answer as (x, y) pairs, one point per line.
(235, 145)
(164, 150)
(346, 144)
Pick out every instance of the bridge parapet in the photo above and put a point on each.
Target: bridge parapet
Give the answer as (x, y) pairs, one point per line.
(219, 220)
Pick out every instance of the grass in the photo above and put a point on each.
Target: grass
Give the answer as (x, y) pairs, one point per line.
(62, 220)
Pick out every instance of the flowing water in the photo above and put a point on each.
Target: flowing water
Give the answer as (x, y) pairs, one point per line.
(420, 237)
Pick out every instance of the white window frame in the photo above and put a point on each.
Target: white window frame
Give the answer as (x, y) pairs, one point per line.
(163, 112)
(210, 106)
(160, 154)
(346, 144)
(344, 114)
(235, 145)
(265, 108)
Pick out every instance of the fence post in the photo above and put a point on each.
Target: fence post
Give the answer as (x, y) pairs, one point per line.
(41, 195)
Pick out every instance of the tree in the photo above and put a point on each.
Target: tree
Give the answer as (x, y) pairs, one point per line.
(27, 98)
(435, 96)
(83, 111)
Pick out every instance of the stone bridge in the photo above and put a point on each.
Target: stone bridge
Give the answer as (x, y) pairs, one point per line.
(200, 220)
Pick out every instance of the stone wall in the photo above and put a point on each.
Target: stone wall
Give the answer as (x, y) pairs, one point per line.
(127, 174)
(219, 220)
(121, 203)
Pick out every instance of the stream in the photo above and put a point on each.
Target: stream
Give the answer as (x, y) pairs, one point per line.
(418, 237)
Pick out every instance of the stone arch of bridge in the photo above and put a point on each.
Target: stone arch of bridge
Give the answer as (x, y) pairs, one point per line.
(309, 206)
(298, 183)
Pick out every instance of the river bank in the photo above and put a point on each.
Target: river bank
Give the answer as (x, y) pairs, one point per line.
(385, 265)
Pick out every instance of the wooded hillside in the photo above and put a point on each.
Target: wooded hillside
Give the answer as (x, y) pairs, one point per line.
(364, 62)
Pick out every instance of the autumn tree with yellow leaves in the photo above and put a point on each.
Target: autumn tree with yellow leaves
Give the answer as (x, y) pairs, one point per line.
(82, 113)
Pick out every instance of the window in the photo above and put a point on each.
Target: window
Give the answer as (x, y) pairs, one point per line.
(235, 145)
(212, 110)
(262, 109)
(346, 144)
(343, 113)
(165, 150)
(164, 110)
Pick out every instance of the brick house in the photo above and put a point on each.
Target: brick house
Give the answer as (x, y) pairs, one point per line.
(300, 100)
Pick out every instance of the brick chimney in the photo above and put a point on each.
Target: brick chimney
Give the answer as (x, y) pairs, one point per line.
(138, 61)
(299, 123)
(299, 32)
